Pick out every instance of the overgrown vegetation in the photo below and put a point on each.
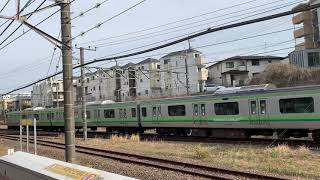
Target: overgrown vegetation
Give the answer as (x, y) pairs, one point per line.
(282, 160)
(287, 75)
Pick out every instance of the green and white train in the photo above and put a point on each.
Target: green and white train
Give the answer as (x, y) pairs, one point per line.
(290, 112)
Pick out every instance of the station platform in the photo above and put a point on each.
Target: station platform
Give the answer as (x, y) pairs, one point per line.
(20, 165)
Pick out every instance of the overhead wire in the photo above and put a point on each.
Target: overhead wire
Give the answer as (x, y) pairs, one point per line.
(109, 19)
(5, 5)
(208, 31)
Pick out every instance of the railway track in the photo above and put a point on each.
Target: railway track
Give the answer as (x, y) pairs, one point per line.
(165, 164)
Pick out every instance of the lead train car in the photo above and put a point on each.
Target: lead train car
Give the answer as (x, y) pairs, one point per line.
(290, 112)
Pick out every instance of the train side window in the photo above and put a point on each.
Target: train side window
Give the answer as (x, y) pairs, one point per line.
(228, 108)
(154, 111)
(133, 112)
(203, 109)
(296, 105)
(263, 107)
(253, 107)
(109, 113)
(195, 110)
(24, 116)
(88, 114)
(144, 112)
(177, 110)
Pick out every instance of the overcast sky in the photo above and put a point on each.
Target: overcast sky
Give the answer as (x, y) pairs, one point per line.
(29, 58)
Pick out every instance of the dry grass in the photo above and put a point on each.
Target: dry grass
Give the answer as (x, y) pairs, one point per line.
(283, 160)
(286, 75)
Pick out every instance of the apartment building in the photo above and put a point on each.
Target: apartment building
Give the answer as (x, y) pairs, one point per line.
(183, 72)
(47, 94)
(239, 70)
(307, 37)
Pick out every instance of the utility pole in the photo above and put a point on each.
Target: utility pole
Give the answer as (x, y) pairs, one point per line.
(83, 93)
(187, 69)
(69, 125)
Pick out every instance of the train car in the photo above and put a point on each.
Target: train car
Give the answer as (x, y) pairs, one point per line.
(288, 112)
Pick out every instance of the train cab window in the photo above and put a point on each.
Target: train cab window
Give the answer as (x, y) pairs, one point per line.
(36, 116)
(296, 105)
(154, 111)
(203, 109)
(88, 113)
(195, 110)
(109, 113)
(263, 107)
(177, 110)
(253, 107)
(228, 108)
(133, 112)
(144, 112)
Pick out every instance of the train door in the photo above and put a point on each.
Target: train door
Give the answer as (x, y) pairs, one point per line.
(199, 114)
(156, 114)
(258, 112)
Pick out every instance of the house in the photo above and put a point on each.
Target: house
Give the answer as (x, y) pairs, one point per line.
(239, 70)
(183, 72)
(47, 94)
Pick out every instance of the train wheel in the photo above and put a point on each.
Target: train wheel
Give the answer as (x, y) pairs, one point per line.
(316, 135)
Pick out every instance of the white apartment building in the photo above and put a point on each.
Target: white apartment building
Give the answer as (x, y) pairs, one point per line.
(239, 70)
(174, 68)
(47, 94)
(99, 86)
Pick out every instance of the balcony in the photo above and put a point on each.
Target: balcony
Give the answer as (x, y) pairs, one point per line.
(203, 75)
(302, 32)
(302, 17)
(200, 61)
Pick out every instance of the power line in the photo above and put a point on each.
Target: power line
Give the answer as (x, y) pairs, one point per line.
(135, 38)
(88, 10)
(210, 30)
(29, 2)
(109, 19)
(45, 19)
(5, 5)
(174, 22)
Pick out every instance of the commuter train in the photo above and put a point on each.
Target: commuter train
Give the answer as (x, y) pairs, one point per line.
(288, 112)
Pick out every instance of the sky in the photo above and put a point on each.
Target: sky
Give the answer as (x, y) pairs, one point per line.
(151, 23)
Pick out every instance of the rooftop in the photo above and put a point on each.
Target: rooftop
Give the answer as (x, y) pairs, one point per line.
(182, 52)
(149, 60)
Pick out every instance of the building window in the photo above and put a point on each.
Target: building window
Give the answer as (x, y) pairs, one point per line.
(296, 105)
(196, 55)
(142, 67)
(229, 108)
(313, 59)
(242, 63)
(158, 66)
(147, 92)
(176, 63)
(144, 112)
(109, 113)
(141, 80)
(92, 77)
(255, 62)
(230, 64)
(269, 61)
(166, 61)
(88, 80)
(177, 110)
(94, 88)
